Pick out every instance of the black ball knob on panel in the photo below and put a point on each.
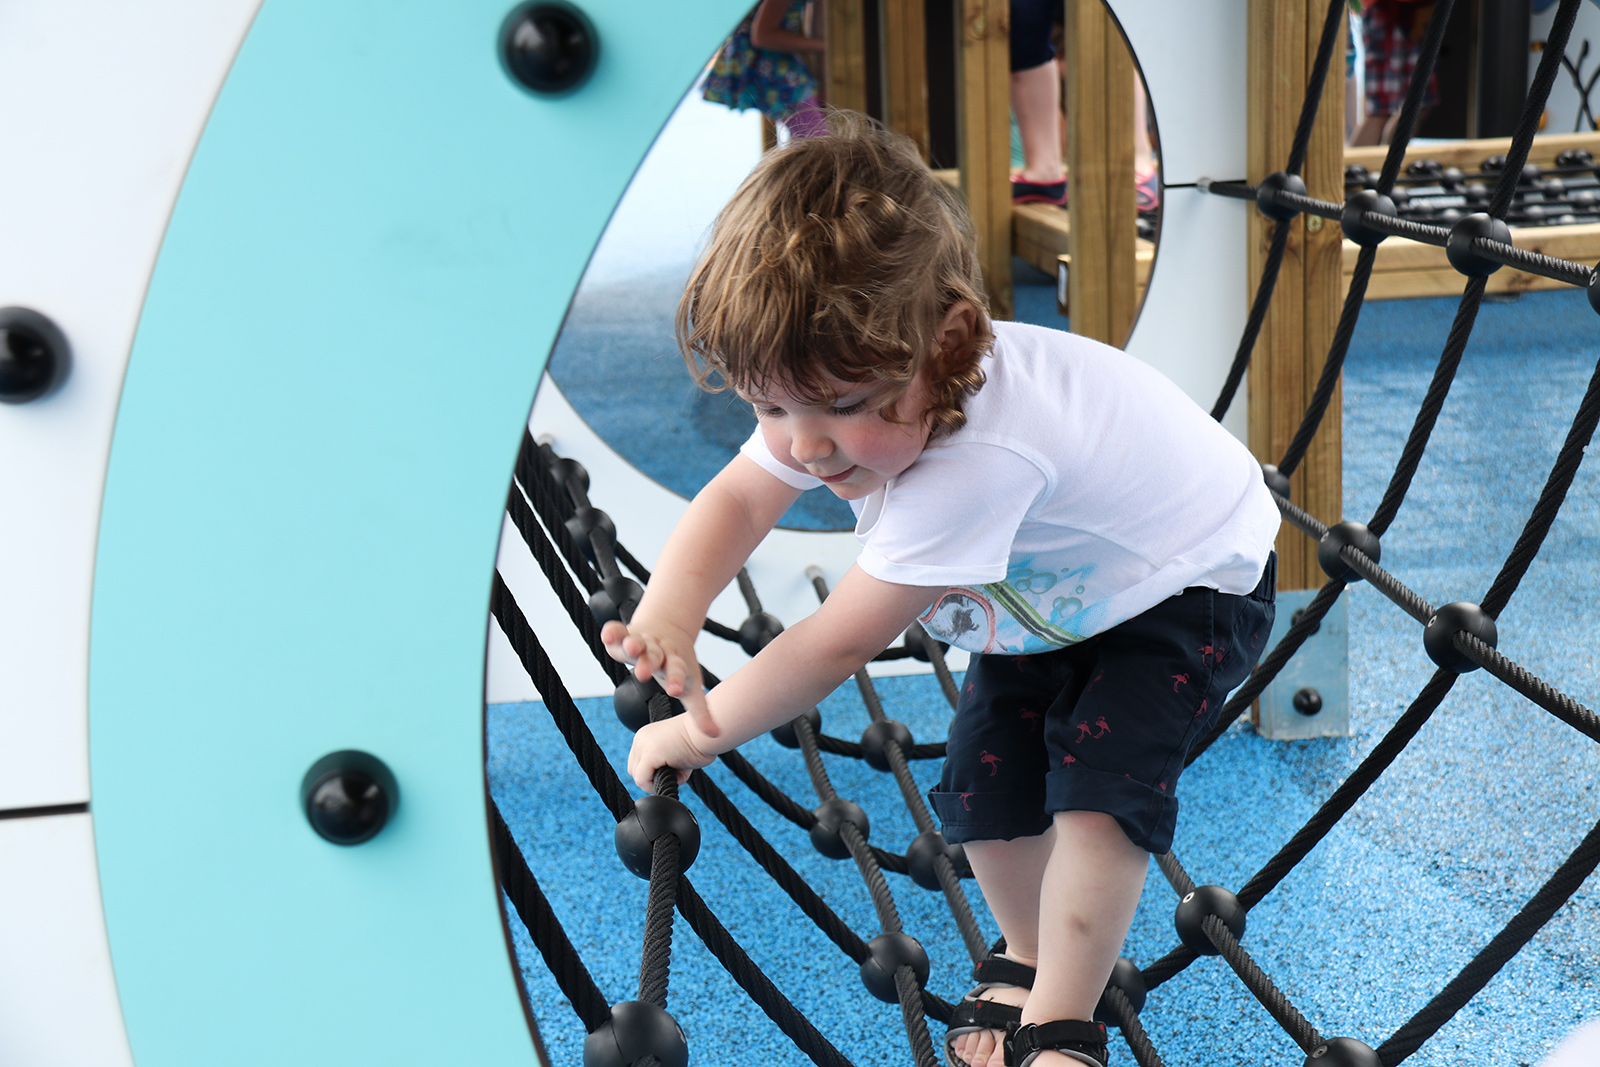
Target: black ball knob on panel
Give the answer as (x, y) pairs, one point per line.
(34, 356)
(549, 47)
(348, 796)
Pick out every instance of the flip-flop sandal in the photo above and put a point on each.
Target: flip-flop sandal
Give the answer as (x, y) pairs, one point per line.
(972, 1015)
(1147, 194)
(1074, 1038)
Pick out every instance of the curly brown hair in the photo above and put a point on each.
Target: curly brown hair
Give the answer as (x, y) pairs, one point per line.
(838, 258)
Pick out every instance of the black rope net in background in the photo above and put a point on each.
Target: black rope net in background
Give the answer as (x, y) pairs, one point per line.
(576, 547)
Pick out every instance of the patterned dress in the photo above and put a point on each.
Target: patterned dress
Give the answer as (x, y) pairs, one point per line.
(744, 76)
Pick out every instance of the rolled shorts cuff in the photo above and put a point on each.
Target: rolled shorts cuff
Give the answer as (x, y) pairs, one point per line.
(967, 817)
(1148, 815)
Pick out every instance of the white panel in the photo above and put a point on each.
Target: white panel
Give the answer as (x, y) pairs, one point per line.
(1198, 298)
(645, 514)
(104, 103)
(1193, 59)
(58, 1004)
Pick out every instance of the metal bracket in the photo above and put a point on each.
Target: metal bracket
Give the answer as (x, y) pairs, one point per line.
(1310, 697)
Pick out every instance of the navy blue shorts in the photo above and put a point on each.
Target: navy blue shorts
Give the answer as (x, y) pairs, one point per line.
(1103, 725)
(1031, 25)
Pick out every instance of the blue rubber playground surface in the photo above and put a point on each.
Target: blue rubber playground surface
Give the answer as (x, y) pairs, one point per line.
(1442, 852)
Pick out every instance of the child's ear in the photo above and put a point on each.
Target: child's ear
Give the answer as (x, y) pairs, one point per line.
(955, 329)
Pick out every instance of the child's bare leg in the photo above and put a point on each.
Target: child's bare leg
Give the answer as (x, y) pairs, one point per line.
(1090, 890)
(1010, 874)
(1036, 101)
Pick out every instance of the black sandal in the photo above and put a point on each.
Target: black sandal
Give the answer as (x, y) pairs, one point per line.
(972, 1015)
(1073, 1037)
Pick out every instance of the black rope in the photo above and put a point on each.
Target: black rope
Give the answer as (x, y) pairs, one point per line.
(533, 908)
(1507, 943)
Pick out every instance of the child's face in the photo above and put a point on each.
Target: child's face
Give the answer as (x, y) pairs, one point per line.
(846, 442)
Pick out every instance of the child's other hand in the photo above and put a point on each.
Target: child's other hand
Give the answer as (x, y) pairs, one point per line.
(667, 655)
(664, 744)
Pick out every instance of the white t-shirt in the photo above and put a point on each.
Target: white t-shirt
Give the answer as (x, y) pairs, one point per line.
(1084, 489)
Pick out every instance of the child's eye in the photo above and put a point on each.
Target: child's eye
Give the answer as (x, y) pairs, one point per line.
(850, 409)
(763, 412)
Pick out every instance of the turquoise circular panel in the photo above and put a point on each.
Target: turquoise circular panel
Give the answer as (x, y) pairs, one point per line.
(368, 263)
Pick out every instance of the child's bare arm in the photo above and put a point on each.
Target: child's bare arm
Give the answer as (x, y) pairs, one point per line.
(724, 524)
(860, 618)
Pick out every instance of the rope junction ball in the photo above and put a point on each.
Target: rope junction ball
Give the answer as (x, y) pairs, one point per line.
(875, 741)
(1276, 480)
(1355, 226)
(1339, 536)
(1267, 195)
(615, 599)
(1196, 906)
(832, 815)
(1468, 229)
(1438, 637)
(1343, 1052)
(924, 849)
(654, 816)
(785, 734)
(889, 952)
(757, 631)
(1127, 977)
(631, 701)
(635, 1030)
(582, 526)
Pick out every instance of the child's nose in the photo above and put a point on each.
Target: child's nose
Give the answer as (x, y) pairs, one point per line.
(807, 446)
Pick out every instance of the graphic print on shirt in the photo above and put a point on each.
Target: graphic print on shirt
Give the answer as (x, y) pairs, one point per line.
(1029, 611)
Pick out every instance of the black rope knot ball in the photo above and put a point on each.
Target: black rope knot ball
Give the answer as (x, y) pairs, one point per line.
(890, 952)
(348, 796)
(924, 851)
(832, 815)
(1267, 195)
(631, 702)
(785, 734)
(1342, 534)
(1458, 250)
(635, 1030)
(1438, 636)
(1126, 977)
(33, 355)
(582, 526)
(875, 742)
(1193, 909)
(1343, 1052)
(757, 632)
(615, 599)
(652, 818)
(1355, 226)
(549, 47)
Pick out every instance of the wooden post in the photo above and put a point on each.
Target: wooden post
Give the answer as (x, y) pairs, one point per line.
(984, 123)
(1104, 234)
(845, 85)
(1299, 327)
(905, 69)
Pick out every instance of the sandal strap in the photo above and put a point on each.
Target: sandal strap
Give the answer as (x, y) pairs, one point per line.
(997, 970)
(1087, 1039)
(984, 1015)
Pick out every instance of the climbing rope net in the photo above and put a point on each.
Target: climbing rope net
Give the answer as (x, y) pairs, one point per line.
(657, 837)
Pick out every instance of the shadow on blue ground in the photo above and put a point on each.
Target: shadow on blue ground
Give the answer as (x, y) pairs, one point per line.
(1440, 854)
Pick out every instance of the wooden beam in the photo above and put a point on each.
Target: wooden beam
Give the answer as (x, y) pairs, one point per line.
(905, 69)
(1299, 328)
(1469, 154)
(1100, 73)
(845, 85)
(984, 125)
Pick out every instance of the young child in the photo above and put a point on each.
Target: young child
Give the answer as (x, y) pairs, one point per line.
(1048, 503)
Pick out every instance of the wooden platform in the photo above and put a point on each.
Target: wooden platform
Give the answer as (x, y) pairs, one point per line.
(1407, 268)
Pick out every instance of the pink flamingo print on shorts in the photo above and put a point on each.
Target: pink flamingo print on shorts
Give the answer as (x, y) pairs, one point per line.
(1099, 728)
(992, 761)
